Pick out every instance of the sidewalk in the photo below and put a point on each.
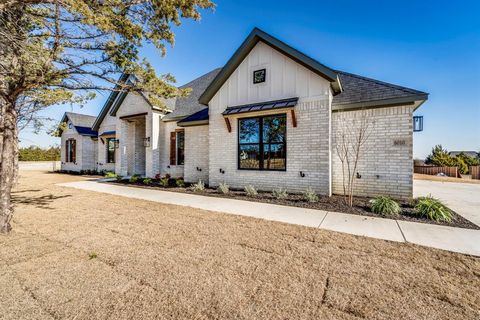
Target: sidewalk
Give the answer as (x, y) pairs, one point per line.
(447, 238)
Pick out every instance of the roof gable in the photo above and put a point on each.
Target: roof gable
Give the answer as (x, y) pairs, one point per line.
(111, 99)
(258, 35)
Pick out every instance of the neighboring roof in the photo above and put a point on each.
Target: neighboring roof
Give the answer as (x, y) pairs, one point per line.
(196, 119)
(190, 104)
(78, 119)
(258, 35)
(468, 153)
(86, 131)
(270, 105)
(111, 99)
(361, 91)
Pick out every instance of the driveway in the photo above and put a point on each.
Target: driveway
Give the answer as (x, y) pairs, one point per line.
(463, 198)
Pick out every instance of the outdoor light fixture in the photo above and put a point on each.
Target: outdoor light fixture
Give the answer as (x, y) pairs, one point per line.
(302, 174)
(146, 142)
(117, 143)
(417, 123)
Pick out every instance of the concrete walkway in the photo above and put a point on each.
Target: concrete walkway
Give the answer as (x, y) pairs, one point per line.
(447, 238)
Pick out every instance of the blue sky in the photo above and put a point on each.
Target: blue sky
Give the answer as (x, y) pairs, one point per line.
(433, 46)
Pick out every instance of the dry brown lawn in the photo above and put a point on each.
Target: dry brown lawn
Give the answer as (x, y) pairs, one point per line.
(82, 255)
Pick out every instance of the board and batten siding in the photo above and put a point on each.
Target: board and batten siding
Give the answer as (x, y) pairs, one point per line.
(308, 144)
(386, 164)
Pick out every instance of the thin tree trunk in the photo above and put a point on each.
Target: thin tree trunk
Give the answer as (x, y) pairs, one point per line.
(7, 165)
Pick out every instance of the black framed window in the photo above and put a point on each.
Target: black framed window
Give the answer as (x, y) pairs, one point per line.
(262, 143)
(110, 150)
(180, 147)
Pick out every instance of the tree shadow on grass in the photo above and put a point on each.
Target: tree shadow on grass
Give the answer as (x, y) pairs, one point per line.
(42, 202)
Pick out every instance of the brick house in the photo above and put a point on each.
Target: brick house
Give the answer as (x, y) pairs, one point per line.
(270, 117)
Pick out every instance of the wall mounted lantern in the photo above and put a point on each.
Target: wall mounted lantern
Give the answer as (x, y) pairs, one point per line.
(146, 142)
(117, 143)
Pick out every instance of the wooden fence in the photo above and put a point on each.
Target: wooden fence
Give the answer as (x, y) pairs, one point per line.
(449, 171)
(475, 172)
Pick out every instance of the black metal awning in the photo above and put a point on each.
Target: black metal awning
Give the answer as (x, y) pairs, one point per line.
(262, 106)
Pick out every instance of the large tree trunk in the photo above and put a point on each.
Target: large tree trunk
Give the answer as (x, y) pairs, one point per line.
(9, 153)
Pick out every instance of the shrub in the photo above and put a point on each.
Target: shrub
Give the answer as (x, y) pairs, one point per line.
(158, 176)
(134, 178)
(309, 195)
(279, 193)
(199, 186)
(163, 182)
(147, 181)
(433, 209)
(223, 188)
(180, 183)
(119, 178)
(385, 206)
(110, 174)
(250, 190)
(92, 255)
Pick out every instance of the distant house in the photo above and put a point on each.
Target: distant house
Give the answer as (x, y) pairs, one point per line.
(468, 153)
(267, 118)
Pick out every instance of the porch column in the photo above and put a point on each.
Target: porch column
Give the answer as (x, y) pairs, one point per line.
(152, 153)
(121, 166)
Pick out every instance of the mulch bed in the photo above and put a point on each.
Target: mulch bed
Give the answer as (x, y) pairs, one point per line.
(336, 203)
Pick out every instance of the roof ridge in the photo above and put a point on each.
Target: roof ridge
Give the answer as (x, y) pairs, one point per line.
(197, 78)
(391, 85)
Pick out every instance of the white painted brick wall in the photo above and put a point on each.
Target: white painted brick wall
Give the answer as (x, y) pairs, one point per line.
(308, 147)
(385, 168)
(165, 167)
(196, 154)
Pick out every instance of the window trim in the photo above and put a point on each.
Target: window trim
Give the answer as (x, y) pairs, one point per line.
(260, 143)
(107, 140)
(71, 150)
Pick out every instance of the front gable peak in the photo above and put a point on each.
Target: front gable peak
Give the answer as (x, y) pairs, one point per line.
(250, 42)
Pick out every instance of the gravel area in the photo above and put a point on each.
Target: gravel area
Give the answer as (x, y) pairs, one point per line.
(76, 254)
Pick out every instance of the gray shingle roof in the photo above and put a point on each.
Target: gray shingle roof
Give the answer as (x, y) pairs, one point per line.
(189, 105)
(80, 120)
(357, 89)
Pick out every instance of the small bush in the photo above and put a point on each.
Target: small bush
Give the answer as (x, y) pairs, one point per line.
(433, 209)
(134, 178)
(385, 206)
(199, 186)
(110, 174)
(279, 193)
(180, 183)
(158, 176)
(119, 178)
(250, 190)
(163, 182)
(92, 255)
(309, 195)
(147, 181)
(223, 188)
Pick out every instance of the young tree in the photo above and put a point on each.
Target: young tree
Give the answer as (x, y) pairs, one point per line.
(60, 51)
(350, 144)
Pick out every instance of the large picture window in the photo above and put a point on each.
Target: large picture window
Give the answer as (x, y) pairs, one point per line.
(110, 150)
(71, 150)
(262, 143)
